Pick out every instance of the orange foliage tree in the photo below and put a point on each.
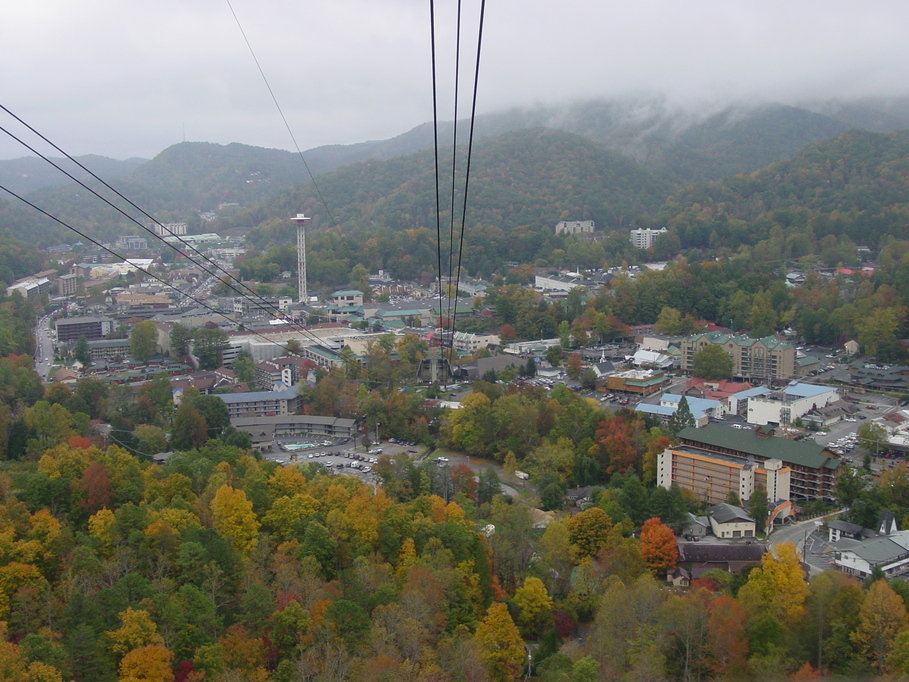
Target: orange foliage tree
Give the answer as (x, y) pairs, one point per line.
(658, 547)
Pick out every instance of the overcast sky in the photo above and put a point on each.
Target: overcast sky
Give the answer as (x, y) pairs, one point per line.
(126, 78)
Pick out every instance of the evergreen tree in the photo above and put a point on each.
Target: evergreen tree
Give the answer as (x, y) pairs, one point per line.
(682, 418)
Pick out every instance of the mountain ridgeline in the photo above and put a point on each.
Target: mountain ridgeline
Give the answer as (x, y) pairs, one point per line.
(620, 163)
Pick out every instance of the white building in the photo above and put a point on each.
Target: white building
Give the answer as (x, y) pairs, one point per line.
(574, 227)
(890, 553)
(644, 237)
(471, 343)
(168, 229)
(789, 404)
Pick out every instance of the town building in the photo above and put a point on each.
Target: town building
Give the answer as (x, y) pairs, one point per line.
(765, 359)
(30, 288)
(74, 328)
(713, 477)
(643, 238)
(814, 468)
(346, 298)
(639, 381)
(264, 430)
(860, 551)
(108, 349)
(131, 243)
(168, 229)
(262, 403)
(792, 402)
(702, 409)
(67, 285)
(467, 342)
(575, 227)
(729, 521)
(260, 306)
(287, 370)
(699, 557)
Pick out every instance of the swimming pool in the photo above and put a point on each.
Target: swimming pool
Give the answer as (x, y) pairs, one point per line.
(299, 446)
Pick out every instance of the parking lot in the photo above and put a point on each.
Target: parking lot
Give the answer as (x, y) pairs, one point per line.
(338, 456)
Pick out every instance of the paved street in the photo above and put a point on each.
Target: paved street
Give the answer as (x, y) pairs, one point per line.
(802, 533)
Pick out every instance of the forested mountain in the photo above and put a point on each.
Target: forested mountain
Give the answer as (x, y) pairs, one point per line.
(30, 173)
(854, 185)
(685, 146)
(672, 147)
(521, 184)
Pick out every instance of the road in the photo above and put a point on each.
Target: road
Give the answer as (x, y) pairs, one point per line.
(807, 532)
(44, 347)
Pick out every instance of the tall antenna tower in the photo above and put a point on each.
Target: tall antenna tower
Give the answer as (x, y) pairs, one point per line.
(301, 221)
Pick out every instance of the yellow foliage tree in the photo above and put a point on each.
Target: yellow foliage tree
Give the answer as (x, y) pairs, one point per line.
(501, 646)
(407, 557)
(137, 629)
(102, 525)
(881, 618)
(14, 668)
(151, 663)
(234, 518)
(287, 482)
(288, 514)
(588, 532)
(777, 587)
(534, 604)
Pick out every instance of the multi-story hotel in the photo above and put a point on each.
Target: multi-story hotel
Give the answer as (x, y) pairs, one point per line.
(766, 358)
(715, 460)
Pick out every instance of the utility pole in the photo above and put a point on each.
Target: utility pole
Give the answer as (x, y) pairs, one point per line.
(301, 221)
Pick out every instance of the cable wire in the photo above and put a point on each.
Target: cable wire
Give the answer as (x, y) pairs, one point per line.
(255, 296)
(435, 146)
(473, 116)
(281, 112)
(139, 268)
(454, 162)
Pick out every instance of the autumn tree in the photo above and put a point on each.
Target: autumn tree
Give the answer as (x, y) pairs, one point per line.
(234, 518)
(658, 547)
(151, 663)
(534, 605)
(881, 618)
(501, 646)
(190, 430)
(589, 532)
(727, 648)
(777, 587)
(137, 629)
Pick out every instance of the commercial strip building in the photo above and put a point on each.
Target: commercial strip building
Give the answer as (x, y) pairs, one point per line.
(813, 468)
(262, 403)
(702, 409)
(639, 381)
(108, 349)
(765, 359)
(264, 430)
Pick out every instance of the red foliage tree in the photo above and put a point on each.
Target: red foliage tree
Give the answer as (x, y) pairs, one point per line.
(96, 484)
(78, 443)
(463, 480)
(726, 643)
